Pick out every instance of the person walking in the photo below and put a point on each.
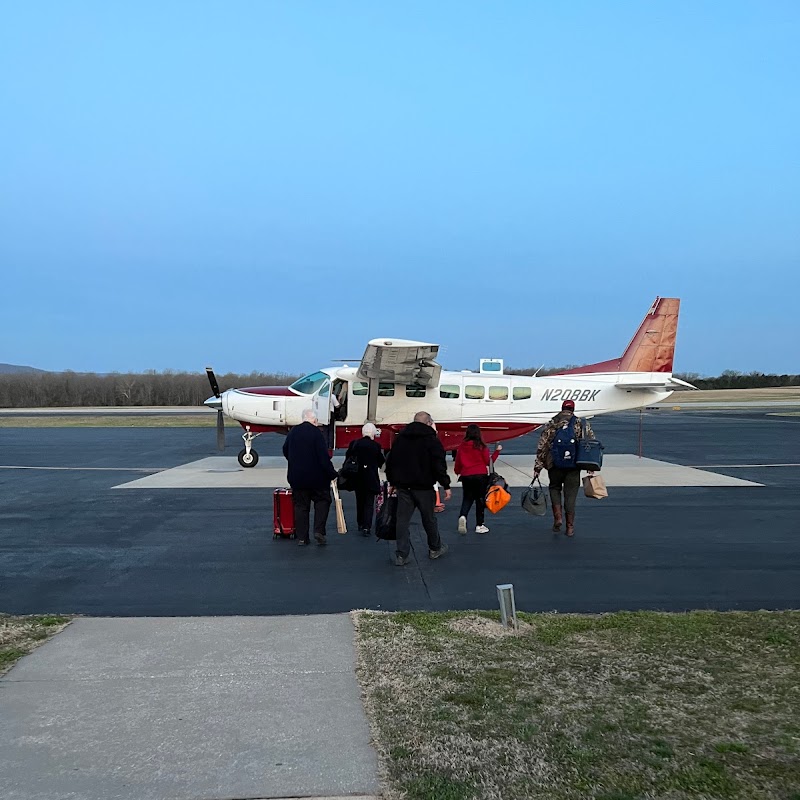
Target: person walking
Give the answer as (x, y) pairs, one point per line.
(366, 483)
(561, 478)
(472, 462)
(415, 463)
(309, 474)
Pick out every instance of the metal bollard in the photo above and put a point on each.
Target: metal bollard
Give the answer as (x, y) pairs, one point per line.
(508, 608)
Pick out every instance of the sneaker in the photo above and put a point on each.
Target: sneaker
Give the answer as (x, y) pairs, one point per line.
(400, 561)
(440, 552)
(302, 542)
(365, 532)
(481, 529)
(321, 540)
(462, 524)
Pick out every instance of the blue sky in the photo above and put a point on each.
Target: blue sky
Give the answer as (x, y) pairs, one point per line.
(268, 185)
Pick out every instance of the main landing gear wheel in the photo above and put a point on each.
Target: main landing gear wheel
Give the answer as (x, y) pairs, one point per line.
(248, 459)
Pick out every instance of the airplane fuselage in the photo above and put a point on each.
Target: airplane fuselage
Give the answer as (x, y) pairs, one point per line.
(504, 406)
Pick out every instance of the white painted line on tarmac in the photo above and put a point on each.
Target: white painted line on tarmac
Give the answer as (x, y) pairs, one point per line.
(739, 466)
(90, 469)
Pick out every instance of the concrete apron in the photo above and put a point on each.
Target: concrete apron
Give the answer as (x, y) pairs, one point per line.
(623, 469)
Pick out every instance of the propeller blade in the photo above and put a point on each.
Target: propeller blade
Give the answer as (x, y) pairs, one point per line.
(220, 431)
(213, 381)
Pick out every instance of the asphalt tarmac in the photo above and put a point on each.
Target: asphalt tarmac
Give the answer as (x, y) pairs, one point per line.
(72, 543)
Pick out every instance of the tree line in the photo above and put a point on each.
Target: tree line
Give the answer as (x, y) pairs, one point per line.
(68, 389)
(729, 379)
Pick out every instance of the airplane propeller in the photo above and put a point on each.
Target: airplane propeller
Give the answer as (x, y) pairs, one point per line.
(220, 419)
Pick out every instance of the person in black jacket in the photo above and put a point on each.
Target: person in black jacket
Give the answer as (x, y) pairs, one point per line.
(366, 483)
(415, 463)
(310, 474)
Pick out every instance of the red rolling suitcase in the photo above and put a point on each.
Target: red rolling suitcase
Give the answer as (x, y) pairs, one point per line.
(282, 514)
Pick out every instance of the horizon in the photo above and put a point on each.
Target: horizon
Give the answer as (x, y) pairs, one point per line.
(191, 183)
(21, 369)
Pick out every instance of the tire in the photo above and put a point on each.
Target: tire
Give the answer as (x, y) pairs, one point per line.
(246, 461)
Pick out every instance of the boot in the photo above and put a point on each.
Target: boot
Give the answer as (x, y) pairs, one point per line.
(570, 524)
(556, 519)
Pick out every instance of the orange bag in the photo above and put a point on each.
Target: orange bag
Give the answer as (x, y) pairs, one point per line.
(497, 497)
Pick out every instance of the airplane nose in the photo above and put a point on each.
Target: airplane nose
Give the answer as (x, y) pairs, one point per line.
(213, 402)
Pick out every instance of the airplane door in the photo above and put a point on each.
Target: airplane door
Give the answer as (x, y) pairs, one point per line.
(321, 403)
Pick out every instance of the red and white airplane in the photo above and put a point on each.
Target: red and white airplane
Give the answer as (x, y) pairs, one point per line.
(398, 377)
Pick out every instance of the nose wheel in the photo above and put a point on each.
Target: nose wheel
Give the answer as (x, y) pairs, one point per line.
(248, 457)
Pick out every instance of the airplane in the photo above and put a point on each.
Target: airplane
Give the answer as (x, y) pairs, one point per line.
(398, 377)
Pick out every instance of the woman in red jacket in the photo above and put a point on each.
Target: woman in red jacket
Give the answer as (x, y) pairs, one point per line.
(472, 464)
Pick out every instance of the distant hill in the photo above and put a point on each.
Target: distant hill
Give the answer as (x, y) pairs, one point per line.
(7, 369)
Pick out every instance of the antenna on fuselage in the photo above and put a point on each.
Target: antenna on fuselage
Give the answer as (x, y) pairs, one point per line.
(537, 371)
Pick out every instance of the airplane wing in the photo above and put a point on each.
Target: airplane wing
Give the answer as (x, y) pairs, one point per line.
(660, 381)
(400, 361)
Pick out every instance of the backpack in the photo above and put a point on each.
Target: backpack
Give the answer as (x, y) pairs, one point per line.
(564, 447)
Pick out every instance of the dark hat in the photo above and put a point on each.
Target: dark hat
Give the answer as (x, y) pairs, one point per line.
(568, 404)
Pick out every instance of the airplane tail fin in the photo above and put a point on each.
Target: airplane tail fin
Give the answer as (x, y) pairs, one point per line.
(652, 348)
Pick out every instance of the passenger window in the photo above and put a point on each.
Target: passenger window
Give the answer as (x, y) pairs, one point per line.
(449, 391)
(385, 390)
(474, 392)
(415, 390)
(498, 392)
(522, 392)
(360, 389)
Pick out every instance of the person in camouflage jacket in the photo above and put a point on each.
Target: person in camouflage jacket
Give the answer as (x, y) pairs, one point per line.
(568, 480)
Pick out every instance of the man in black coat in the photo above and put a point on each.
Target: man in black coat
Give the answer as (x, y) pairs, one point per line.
(310, 474)
(415, 463)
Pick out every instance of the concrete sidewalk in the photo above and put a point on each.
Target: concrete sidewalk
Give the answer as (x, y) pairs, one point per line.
(198, 708)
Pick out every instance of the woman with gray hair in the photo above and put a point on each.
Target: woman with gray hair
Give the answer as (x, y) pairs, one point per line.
(367, 484)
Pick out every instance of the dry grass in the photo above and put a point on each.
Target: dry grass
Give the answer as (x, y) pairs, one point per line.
(112, 421)
(611, 707)
(787, 393)
(20, 635)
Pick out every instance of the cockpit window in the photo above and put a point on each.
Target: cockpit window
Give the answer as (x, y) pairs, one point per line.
(309, 384)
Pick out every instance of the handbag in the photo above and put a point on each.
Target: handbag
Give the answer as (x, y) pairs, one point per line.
(594, 486)
(497, 497)
(497, 494)
(534, 500)
(348, 474)
(350, 467)
(589, 454)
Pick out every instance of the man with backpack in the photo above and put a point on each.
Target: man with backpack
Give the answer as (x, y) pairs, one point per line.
(557, 453)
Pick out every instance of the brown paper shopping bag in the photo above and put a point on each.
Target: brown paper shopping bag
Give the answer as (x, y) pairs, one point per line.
(594, 486)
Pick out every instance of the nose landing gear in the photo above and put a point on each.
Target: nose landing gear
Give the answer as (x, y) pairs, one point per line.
(248, 457)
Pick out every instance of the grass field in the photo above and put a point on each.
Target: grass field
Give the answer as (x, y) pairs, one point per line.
(19, 635)
(612, 707)
(78, 420)
(789, 394)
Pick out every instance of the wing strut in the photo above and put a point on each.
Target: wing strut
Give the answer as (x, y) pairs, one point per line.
(372, 399)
